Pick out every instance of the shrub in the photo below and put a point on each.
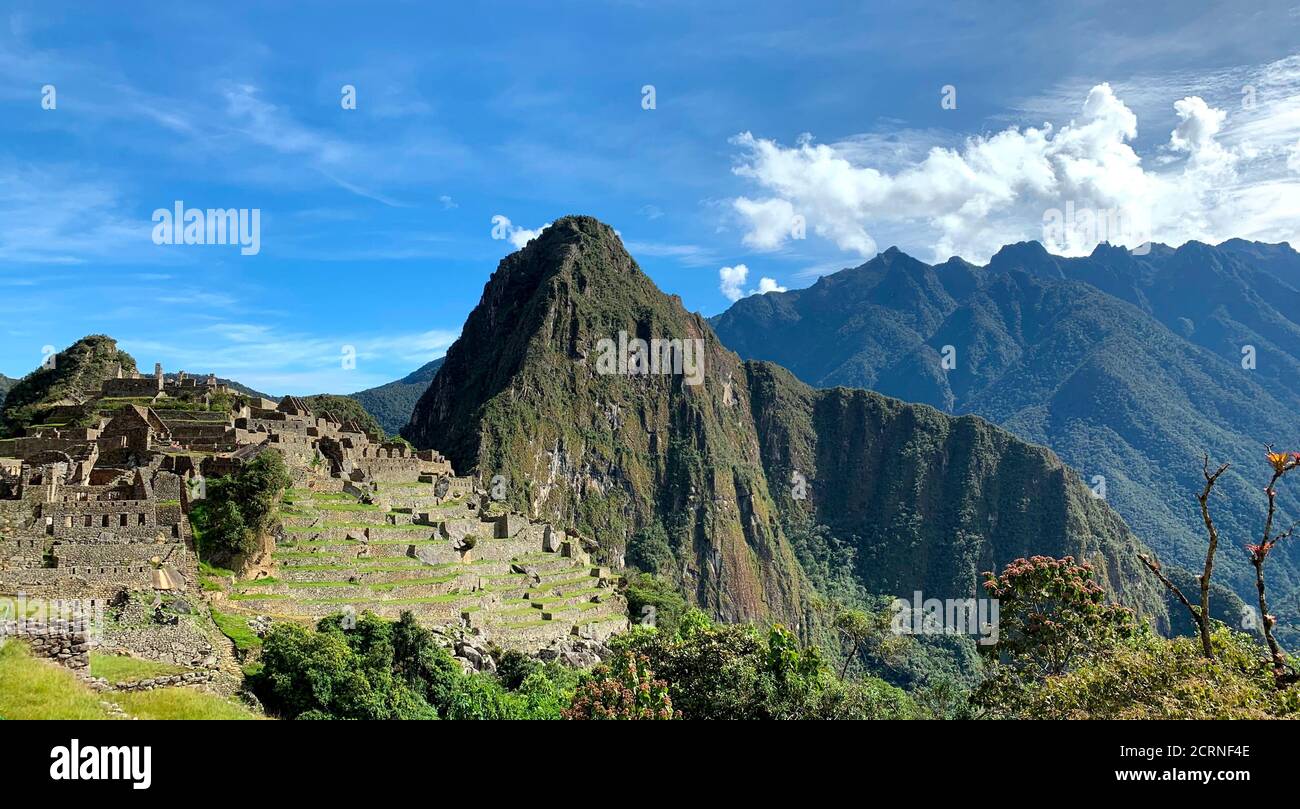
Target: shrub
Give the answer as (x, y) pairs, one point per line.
(240, 509)
(738, 672)
(624, 689)
(1149, 677)
(653, 601)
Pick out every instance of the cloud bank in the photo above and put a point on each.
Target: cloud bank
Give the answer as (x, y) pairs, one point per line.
(1071, 186)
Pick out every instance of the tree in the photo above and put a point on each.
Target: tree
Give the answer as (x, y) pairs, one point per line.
(624, 689)
(1282, 463)
(862, 630)
(654, 602)
(1200, 614)
(1150, 677)
(1052, 614)
(240, 509)
(648, 550)
(372, 668)
(738, 672)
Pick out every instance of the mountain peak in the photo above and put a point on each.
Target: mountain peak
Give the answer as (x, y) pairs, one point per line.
(573, 226)
(1030, 256)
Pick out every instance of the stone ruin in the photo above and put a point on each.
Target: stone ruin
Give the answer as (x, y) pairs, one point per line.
(94, 506)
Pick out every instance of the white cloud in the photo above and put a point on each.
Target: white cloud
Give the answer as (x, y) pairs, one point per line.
(691, 255)
(277, 362)
(1293, 158)
(503, 228)
(54, 215)
(731, 281)
(994, 189)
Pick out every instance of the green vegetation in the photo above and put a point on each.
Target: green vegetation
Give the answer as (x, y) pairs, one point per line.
(652, 600)
(378, 669)
(393, 403)
(392, 670)
(122, 669)
(236, 628)
(241, 509)
(625, 689)
(180, 703)
(740, 672)
(345, 408)
(75, 372)
(38, 689)
(1065, 652)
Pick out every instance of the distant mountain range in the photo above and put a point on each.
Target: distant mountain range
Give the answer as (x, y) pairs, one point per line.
(751, 490)
(392, 404)
(5, 384)
(1130, 367)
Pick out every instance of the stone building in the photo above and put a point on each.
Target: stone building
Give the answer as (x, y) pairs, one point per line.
(94, 503)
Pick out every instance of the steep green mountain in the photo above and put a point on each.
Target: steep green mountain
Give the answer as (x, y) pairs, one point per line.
(5, 384)
(74, 373)
(392, 404)
(1045, 347)
(701, 477)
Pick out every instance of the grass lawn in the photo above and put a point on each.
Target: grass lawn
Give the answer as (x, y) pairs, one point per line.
(38, 689)
(236, 628)
(121, 669)
(180, 703)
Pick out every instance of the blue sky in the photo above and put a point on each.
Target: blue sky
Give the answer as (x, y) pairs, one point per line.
(376, 222)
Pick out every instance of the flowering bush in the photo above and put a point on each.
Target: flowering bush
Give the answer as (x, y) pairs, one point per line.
(1053, 613)
(625, 689)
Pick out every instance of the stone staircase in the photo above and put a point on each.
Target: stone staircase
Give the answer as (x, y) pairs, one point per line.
(445, 562)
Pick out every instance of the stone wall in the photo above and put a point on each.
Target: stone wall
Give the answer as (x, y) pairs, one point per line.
(125, 519)
(66, 641)
(132, 388)
(86, 582)
(188, 678)
(26, 447)
(23, 553)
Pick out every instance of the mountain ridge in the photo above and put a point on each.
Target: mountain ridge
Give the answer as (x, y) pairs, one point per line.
(1042, 348)
(705, 470)
(391, 404)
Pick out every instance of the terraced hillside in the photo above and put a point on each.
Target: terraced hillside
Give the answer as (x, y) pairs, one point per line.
(490, 571)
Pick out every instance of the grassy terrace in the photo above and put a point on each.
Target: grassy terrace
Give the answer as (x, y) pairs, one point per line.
(236, 628)
(40, 689)
(395, 566)
(507, 600)
(122, 669)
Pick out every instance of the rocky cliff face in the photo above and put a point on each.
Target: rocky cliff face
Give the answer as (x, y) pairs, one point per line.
(533, 395)
(1129, 367)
